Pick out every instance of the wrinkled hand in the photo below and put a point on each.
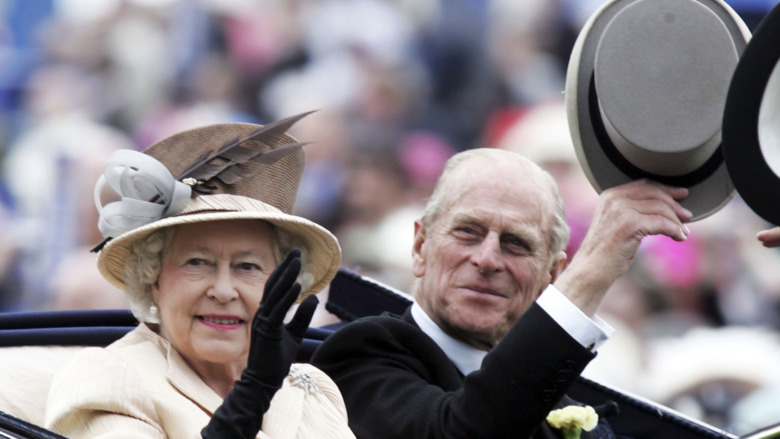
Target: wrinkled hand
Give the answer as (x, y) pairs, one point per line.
(770, 237)
(273, 346)
(624, 216)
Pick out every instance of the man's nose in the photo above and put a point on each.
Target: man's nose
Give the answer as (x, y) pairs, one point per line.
(488, 257)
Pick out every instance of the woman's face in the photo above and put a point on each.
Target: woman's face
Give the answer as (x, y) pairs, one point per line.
(210, 285)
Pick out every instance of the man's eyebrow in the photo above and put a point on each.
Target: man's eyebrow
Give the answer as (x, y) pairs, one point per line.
(465, 217)
(523, 232)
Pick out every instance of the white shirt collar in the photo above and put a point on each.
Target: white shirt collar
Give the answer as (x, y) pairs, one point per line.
(466, 358)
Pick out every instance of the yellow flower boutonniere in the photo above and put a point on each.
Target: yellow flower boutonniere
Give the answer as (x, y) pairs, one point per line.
(573, 419)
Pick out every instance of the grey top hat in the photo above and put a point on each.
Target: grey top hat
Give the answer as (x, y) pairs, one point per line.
(645, 92)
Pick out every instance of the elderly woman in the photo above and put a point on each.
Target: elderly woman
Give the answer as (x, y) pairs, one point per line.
(211, 261)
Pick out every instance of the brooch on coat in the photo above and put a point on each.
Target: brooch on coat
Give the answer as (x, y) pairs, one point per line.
(302, 380)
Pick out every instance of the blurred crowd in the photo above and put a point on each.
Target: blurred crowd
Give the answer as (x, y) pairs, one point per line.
(399, 85)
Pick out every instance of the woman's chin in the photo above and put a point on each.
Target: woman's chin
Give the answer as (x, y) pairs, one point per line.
(221, 353)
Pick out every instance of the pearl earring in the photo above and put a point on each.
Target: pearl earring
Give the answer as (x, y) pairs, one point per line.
(153, 310)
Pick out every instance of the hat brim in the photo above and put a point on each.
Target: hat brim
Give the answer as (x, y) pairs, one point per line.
(324, 253)
(710, 187)
(750, 169)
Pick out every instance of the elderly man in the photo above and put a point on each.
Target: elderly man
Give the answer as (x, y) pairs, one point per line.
(499, 330)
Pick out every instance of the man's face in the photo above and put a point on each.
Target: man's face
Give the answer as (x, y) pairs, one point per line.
(485, 259)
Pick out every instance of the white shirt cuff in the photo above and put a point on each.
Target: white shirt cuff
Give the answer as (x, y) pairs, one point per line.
(590, 333)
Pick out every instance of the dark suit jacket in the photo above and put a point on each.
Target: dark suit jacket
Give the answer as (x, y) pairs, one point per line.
(397, 383)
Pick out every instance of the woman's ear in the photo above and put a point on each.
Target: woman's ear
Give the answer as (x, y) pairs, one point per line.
(155, 291)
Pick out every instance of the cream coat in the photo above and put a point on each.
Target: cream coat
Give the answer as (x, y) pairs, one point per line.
(140, 387)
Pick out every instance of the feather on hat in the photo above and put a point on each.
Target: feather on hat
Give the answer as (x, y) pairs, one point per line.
(223, 172)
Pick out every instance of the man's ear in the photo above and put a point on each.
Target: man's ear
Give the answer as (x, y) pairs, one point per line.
(556, 268)
(418, 249)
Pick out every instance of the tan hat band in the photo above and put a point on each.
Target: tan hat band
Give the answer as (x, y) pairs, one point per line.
(226, 203)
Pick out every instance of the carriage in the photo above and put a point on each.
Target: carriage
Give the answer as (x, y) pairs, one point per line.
(33, 344)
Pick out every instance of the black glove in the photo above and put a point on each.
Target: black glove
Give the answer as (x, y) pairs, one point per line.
(272, 349)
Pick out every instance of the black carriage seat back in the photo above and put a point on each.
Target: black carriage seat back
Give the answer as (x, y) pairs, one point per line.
(32, 344)
(352, 296)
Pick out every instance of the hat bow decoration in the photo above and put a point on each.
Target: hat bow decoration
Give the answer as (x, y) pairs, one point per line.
(147, 192)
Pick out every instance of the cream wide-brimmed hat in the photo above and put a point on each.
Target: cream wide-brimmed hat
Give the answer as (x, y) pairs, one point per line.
(218, 172)
(645, 92)
(751, 121)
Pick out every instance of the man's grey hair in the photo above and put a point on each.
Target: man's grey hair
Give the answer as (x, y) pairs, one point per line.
(439, 201)
(144, 261)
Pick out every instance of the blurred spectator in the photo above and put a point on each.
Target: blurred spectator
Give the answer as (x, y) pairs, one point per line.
(50, 170)
(688, 374)
(319, 194)
(209, 95)
(77, 284)
(422, 156)
(11, 285)
(375, 189)
(523, 44)
(399, 86)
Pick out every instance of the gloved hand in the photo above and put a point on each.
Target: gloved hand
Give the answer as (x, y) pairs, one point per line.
(273, 347)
